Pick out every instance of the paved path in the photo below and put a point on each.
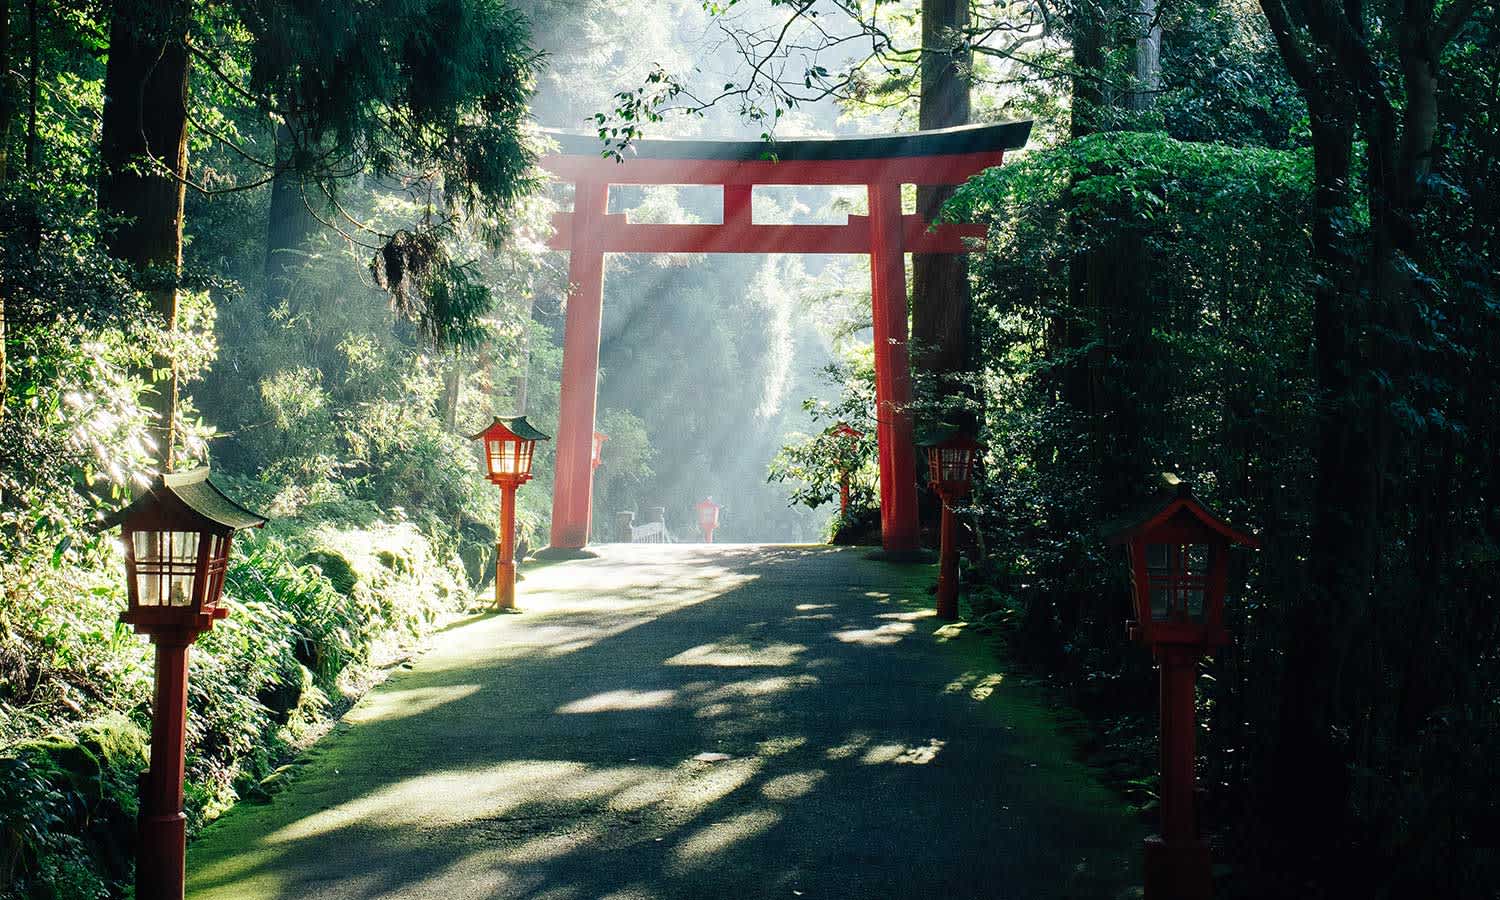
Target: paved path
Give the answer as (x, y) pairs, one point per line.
(688, 722)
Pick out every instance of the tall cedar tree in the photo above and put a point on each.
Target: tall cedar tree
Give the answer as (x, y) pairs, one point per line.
(940, 281)
(1383, 84)
(143, 165)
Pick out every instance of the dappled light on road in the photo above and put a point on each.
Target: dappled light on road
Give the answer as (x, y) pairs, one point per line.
(679, 722)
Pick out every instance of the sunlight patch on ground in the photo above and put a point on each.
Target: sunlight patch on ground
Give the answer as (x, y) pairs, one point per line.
(779, 745)
(699, 848)
(977, 685)
(611, 701)
(238, 869)
(812, 607)
(855, 743)
(720, 780)
(902, 754)
(736, 654)
(468, 795)
(951, 631)
(879, 636)
(546, 847)
(912, 616)
(635, 892)
(390, 704)
(759, 687)
(792, 785)
(475, 875)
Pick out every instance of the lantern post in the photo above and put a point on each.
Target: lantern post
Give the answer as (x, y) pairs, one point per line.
(708, 518)
(1178, 554)
(176, 538)
(950, 471)
(850, 436)
(508, 448)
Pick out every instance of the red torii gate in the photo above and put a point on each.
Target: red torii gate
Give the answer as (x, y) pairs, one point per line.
(881, 163)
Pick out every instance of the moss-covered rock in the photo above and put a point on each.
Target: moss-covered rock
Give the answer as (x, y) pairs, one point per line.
(334, 567)
(70, 801)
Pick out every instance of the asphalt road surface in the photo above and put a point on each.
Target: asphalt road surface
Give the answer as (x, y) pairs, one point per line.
(689, 721)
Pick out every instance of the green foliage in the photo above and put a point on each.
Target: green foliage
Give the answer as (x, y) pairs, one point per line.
(429, 88)
(816, 463)
(67, 812)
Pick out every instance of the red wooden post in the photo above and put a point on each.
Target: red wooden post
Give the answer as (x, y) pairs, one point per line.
(505, 550)
(898, 469)
(1178, 866)
(947, 589)
(160, 872)
(844, 494)
(572, 475)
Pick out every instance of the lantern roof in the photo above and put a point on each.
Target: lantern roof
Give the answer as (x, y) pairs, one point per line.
(1172, 497)
(513, 426)
(952, 437)
(193, 490)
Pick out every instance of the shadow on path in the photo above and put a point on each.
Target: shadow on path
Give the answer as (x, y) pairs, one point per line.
(686, 721)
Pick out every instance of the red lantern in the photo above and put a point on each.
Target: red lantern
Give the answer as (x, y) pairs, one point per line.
(1178, 552)
(950, 465)
(597, 455)
(508, 448)
(508, 445)
(176, 538)
(708, 518)
(850, 436)
(950, 471)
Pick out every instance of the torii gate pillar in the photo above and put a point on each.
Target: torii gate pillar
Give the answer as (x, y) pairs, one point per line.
(893, 428)
(882, 163)
(573, 482)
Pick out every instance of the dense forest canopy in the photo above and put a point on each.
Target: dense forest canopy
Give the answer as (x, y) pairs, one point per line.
(304, 242)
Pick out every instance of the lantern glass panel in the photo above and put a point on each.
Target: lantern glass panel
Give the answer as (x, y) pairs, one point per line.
(1178, 577)
(166, 563)
(953, 463)
(508, 458)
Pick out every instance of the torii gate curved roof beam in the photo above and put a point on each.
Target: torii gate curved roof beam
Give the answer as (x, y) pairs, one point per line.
(939, 156)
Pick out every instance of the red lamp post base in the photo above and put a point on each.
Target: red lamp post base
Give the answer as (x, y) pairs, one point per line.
(505, 585)
(1178, 871)
(160, 871)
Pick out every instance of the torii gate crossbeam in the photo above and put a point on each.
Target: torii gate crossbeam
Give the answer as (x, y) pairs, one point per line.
(881, 163)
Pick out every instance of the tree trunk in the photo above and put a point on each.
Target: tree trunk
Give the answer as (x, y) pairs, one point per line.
(1147, 56)
(143, 157)
(1310, 766)
(940, 281)
(452, 386)
(290, 225)
(7, 115)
